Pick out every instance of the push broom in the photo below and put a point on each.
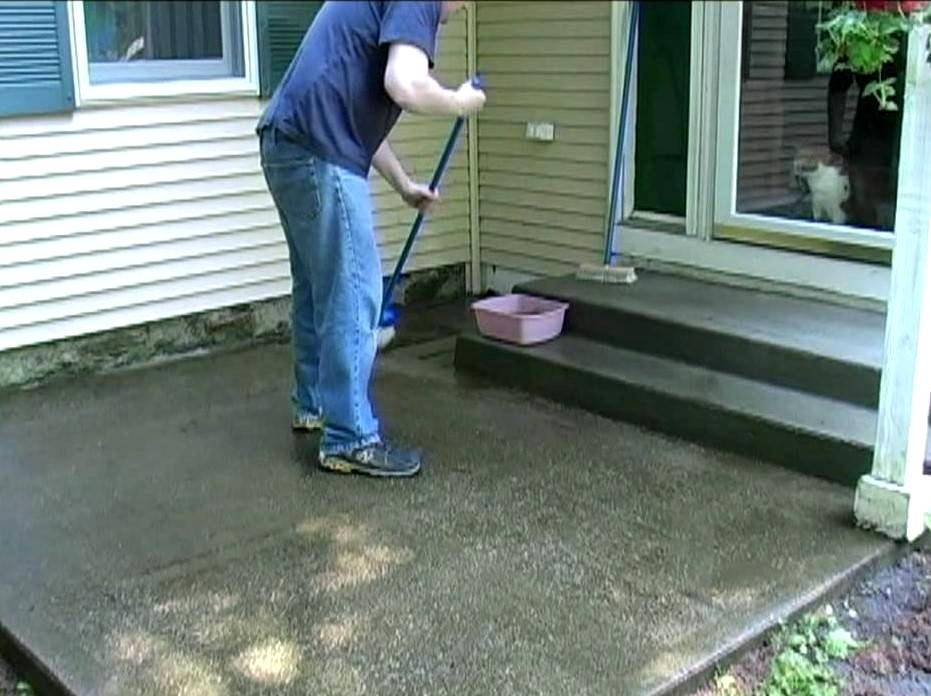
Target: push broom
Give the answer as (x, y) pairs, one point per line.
(390, 312)
(608, 273)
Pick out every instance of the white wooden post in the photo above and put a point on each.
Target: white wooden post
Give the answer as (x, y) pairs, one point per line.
(895, 498)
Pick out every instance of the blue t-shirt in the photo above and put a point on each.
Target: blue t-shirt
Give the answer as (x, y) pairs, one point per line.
(332, 98)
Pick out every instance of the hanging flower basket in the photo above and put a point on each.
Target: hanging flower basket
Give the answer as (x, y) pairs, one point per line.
(864, 36)
(905, 6)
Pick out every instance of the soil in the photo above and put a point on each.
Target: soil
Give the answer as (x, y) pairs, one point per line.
(7, 679)
(891, 614)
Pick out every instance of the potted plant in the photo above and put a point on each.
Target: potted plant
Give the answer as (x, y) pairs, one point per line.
(865, 36)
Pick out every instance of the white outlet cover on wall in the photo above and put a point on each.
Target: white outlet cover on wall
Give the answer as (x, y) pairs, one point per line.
(542, 131)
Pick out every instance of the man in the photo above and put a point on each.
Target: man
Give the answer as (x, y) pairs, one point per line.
(358, 66)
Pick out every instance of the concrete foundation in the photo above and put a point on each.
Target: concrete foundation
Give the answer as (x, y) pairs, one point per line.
(222, 329)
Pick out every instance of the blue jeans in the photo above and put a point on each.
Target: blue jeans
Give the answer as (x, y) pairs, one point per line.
(326, 213)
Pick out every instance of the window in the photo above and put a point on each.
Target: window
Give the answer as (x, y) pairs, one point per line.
(159, 40)
(812, 146)
(806, 159)
(162, 47)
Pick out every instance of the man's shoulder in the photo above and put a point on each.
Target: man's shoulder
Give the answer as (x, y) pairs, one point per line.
(352, 10)
(372, 15)
(415, 23)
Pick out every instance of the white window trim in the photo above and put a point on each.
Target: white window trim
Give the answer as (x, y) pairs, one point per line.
(87, 94)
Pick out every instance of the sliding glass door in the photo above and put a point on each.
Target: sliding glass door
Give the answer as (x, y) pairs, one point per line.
(805, 158)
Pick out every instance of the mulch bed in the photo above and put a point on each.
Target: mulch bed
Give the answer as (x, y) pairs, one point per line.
(891, 614)
(7, 680)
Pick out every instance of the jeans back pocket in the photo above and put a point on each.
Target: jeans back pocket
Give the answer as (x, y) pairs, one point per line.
(291, 174)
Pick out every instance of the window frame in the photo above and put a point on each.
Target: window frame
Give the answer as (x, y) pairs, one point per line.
(87, 93)
(728, 221)
(710, 204)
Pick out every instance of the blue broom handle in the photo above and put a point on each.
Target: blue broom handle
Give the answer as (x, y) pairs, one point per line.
(621, 134)
(441, 167)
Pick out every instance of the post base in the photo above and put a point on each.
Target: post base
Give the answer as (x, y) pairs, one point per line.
(898, 512)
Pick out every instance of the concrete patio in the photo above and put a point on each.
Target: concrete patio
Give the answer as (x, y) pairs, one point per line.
(164, 532)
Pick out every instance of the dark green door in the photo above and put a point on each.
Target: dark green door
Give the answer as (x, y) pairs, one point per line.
(662, 107)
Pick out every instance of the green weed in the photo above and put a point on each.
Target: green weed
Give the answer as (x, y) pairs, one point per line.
(802, 666)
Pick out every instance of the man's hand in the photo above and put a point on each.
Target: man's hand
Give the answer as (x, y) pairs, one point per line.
(470, 99)
(419, 196)
(414, 194)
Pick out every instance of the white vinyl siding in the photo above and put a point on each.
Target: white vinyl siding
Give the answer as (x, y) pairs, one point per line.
(117, 216)
(543, 204)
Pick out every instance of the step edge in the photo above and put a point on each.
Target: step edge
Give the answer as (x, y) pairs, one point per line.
(801, 429)
(712, 329)
(531, 286)
(31, 666)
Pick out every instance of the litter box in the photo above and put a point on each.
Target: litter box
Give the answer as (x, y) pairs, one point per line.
(521, 319)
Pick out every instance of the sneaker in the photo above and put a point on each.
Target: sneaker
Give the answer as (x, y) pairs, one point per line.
(376, 460)
(307, 422)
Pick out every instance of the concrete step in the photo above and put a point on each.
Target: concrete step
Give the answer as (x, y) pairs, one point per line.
(810, 433)
(806, 345)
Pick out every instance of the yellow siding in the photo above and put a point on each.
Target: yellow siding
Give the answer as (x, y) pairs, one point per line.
(419, 142)
(117, 216)
(542, 205)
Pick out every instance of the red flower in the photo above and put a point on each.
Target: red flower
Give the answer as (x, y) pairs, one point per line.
(906, 6)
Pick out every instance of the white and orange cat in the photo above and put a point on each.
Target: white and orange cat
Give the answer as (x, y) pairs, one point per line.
(826, 179)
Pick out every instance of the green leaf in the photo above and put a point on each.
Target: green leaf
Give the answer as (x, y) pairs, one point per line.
(727, 685)
(877, 86)
(864, 42)
(839, 643)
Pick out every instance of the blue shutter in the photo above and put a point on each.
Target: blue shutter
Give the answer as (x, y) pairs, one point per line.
(282, 24)
(35, 57)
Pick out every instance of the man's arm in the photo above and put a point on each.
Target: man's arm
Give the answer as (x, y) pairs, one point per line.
(414, 194)
(388, 165)
(409, 83)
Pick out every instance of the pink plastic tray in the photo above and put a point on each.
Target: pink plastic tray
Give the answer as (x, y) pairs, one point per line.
(521, 319)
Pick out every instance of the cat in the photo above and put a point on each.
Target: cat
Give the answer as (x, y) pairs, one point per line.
(830, 189)
(823, 175)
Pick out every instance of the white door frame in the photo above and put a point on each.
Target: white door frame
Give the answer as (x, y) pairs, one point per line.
(697, 252)
(703, 102)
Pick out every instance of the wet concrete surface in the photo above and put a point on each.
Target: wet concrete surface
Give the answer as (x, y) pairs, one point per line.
(808, 326)
(164, 532)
